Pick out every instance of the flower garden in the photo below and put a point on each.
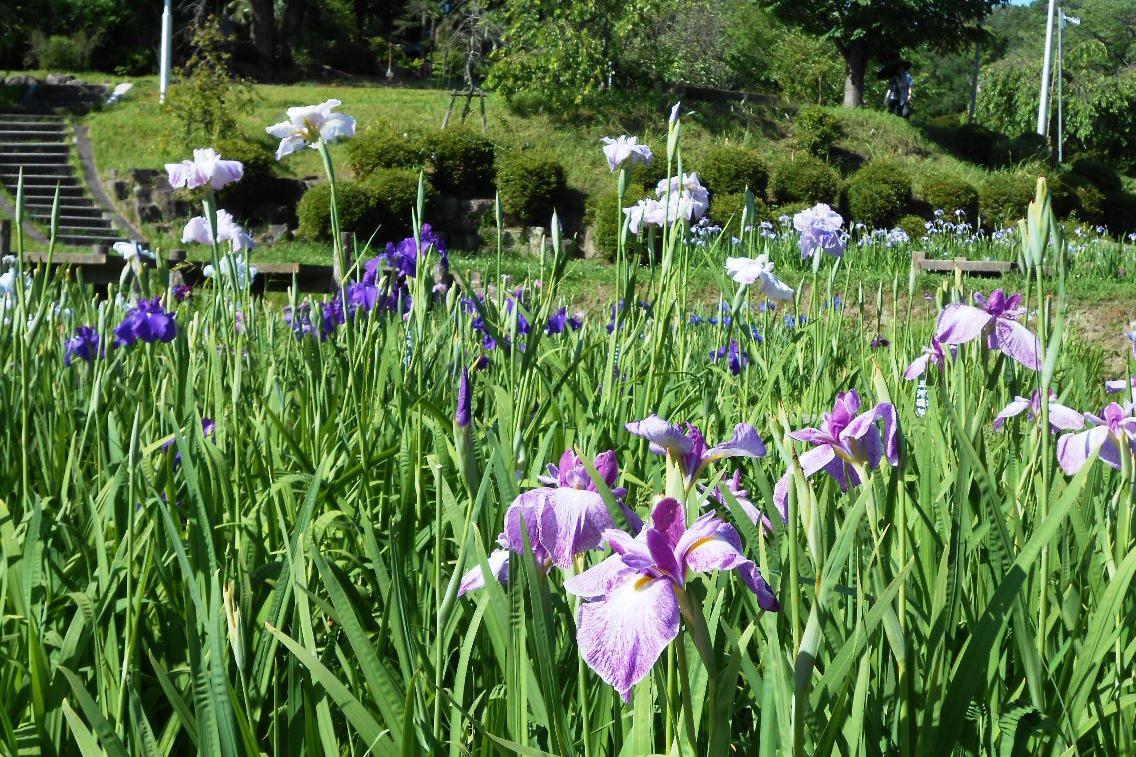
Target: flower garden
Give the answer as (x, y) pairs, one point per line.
(425, 515)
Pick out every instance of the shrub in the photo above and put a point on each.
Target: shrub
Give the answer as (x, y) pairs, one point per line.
(817, 130)
(601, 216)
(729, 169)
(207, 98)
(804, 179)
(1120, 212)
(648, 175)
(383, 146)
(970, 142)
(878, 194)
(913, 225)
(1004, 197)
(1074, 195)
(726, 210)
(392, 194)
(950, 193)
(354, 202)
(259, 161)
(530, 184)
(1027, 146)
(61, 52)
(1099, 173)
(1090, 203)
(460, 161)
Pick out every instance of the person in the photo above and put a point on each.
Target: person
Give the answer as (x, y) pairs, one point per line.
(901, 91)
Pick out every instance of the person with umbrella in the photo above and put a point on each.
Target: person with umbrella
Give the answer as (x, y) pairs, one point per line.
(901, 88)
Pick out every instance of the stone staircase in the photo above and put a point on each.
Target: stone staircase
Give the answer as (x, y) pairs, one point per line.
(38, 139)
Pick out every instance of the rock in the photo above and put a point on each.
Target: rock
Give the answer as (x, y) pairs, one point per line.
(121, 189)
(275, 233)
(143, 194)
(590, 250)
(145, 176)
(55, 80)
(149, 212)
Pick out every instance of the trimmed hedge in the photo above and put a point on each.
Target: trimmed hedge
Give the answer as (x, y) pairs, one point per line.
(259, 160)
(384, 146)
(726, 210)
(950, 193)
(1098, 173)
(803, 180)
(393, 195)
(1004, 198)
(914, 226)
(530, 184)
(601, 215)
(460, 160)
(729, 169)
(356, 210)
(1120, 212)
(878, 194)
(817, 130)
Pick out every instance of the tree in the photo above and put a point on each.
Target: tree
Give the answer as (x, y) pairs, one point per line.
(863, 30)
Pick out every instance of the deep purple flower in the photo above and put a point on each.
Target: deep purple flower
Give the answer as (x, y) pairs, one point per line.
(634, 598)
(208, 426)
(879, 342)
(933, 355)
(996, 317)
(182, 292)
(736, 358)
(1114, 430)
(462, 416)
(843, 439)
(559, 321)
(300, 319)
(1061, 418)
(85, 345)
(145, 322)
(563, 519)
(332, 316)
(361, 296)
(687, 448)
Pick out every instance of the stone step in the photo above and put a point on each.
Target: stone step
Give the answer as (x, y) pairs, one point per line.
(84, 230)
(71, 209)
(31, 120)
(51, 171)
(79, 240)
(69, 216)
(45, 193)
(58, 149)
(41, 134)
(25, 157)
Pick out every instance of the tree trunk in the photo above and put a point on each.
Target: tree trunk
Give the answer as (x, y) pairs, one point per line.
(264, 34)
(855, 64)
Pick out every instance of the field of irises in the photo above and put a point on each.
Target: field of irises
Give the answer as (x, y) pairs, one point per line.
(413, 517)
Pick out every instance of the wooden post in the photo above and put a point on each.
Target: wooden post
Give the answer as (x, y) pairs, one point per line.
(5, 238)
(347, 244)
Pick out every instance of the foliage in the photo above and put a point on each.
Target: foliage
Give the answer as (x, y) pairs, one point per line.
(804, 68)
(392, 194)
(726, 209)
(731, 168)
(259, 160)
(61, 52)
(604, 217)
(1099, 173)
(382, 145)
(914, 226)
(530, 183)
(1004, 197)
(973, 143)
(879, 193)
(817, 130)
(460, 160)
(945, 191)
(207, 99)
(1120, 212)
(356, 210)
(803, 178)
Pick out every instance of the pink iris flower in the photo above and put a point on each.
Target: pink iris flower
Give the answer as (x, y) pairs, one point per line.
(1061, 418)
(996, 318)
(933, 355)
(1114, 430)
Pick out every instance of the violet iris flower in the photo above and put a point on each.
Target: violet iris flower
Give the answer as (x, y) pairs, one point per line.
(688, 449)
(564, 518)
(1120, 385)
(560, 321)
(843, 440)
(820, 230)
(734, 486)
(182, 292)
(300, 319)
(332, 316)
(634, 597)
(205, 168)
(1112, 431)
(1061, 418)
(145, 322)
(462, 416)
(736, 359)
(85, 345)
(208, 426)
(996, 318)
(933, 355)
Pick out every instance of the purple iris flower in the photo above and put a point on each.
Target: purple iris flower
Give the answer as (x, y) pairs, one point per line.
(879, 343)
(736, 358)
(523, 325)
(688, 447)
(696, 319)
(1112, 431)
(300, 319)
(1061, 418)
(85, 345)
(633, 598)
(843, 439)
(208, 426)
(564, 518)
(332, 316)
(820, 230)
(734, 486)
(182, 292)
(996, 317)
(933, 355)
(560, 321)
(462, 416)
(1119, 385)
(145, 322)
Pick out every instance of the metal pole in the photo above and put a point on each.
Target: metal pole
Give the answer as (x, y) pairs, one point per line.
(974, 81)
(164, 55)
(1043, 106)
(1060, 75)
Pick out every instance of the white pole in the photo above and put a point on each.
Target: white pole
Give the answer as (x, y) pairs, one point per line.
(1043, 106)
(164, 65)
(1060, 75)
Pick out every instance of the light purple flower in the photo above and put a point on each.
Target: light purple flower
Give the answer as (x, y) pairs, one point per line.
(996, 318)
(820, 230)
(1112, 431)
(624, 149)
(563, 519)
(1120, 385)
(843, 439)
(632, 599)
(310, 125)
(685, 194)
(1131, 335)
(759, 271)
(197, 230)
(1061, 418)
(933, 355)
(688, 449)
(205, 168)
(734, 486)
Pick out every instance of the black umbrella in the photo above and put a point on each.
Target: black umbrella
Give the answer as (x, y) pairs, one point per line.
(889, 70)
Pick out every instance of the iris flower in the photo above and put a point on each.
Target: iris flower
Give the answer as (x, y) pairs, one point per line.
(623, 150)
(996, 318)
(1112, 431)
(146, 322)
(933, 355)
(736, 358)
(1120, 385)
(197, 230)
(1061, 418)
(843, 442)
(310, 125)
(234, 270)
(759, 271)
(205, 168)
(687, 447)
(635, 597)
(85, 345)
(565, 517)
(820, 230)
